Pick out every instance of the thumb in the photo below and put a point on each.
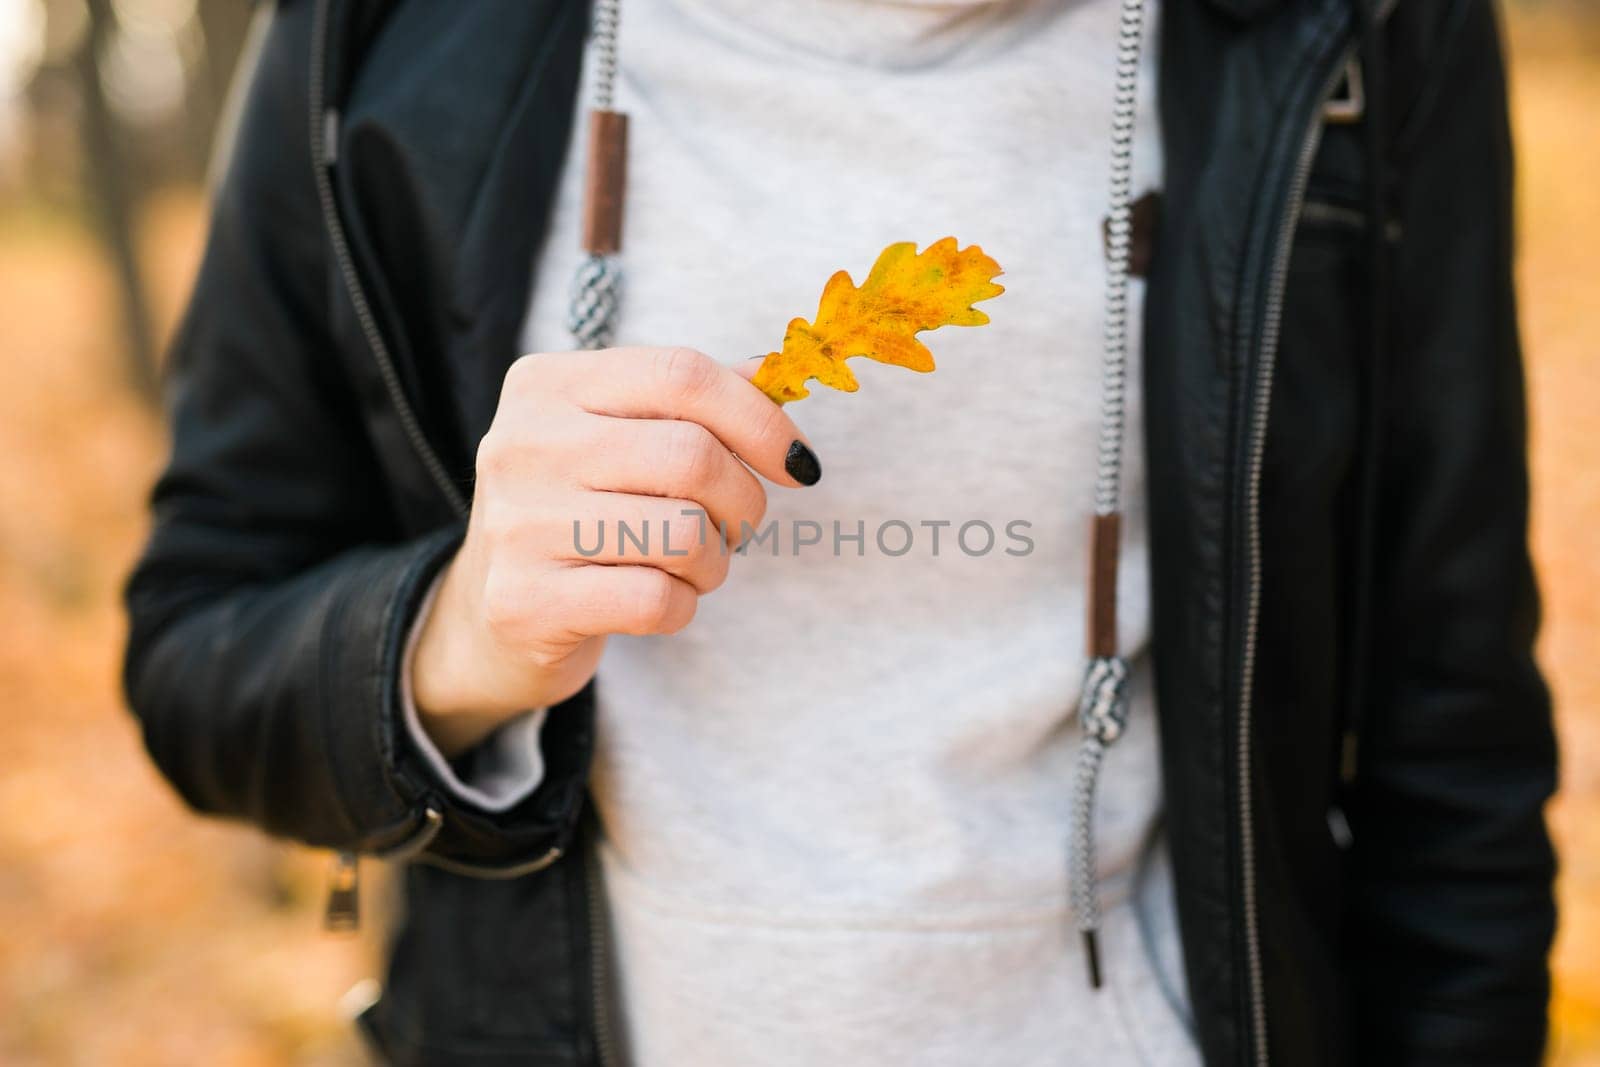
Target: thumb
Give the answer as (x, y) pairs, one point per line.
(746, 368)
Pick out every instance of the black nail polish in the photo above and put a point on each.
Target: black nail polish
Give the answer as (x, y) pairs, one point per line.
(802, 465)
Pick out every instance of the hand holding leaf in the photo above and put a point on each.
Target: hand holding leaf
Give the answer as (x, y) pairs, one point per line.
(904, 294)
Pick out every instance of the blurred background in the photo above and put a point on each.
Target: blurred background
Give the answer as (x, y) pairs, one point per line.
(132, 932)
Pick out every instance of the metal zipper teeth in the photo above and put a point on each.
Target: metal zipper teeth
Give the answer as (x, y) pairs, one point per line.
(1270, 327)
(321, 159)
(605, 1047)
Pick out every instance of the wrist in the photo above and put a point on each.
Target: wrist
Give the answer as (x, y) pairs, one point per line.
(447, 680)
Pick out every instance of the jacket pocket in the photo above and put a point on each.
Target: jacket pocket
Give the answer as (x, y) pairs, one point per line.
(484, 973)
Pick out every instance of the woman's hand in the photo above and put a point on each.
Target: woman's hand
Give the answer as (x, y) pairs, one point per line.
(631, 435)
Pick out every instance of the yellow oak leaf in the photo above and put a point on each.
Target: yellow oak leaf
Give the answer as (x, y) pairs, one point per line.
(904, 294)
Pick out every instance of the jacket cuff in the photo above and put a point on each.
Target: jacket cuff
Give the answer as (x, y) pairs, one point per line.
(447, 825)
(495, 775)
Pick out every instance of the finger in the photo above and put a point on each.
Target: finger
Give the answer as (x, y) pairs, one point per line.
(680, 383)
(669, 458)
(621, 599)
(655, 457)
(746, 368)
(626, 529)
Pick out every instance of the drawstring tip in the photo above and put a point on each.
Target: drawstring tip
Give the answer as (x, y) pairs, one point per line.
(1091, 951)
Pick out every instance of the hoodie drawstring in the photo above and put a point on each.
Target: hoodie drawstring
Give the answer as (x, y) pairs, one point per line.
(1103, 704)
(597, 285)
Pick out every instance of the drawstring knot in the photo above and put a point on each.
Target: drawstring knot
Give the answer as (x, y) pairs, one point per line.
(1102, 713)
(596, 297)
(1103, 706)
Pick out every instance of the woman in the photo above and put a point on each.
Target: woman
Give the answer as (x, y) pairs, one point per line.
(825, 799)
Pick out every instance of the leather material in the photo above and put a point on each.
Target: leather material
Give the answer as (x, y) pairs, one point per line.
(295, 529)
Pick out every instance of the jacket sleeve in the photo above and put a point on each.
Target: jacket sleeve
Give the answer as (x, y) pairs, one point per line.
(497, 773)
(269, 611)
(1453, 912)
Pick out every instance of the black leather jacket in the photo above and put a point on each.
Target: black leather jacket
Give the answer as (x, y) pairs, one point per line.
(1357, 743)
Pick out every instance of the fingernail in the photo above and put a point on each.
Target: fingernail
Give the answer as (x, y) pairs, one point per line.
(802, 465)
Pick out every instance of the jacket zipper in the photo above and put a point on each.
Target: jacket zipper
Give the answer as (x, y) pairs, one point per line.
(342, 913)
(599, 970)
(324, 154)
(1270, 326)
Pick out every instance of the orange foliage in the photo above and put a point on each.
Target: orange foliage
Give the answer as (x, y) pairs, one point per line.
(905, 294)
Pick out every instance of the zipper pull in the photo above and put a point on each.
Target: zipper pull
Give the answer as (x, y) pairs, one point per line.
(343, 912)
(330, 137)
(1343, 110)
